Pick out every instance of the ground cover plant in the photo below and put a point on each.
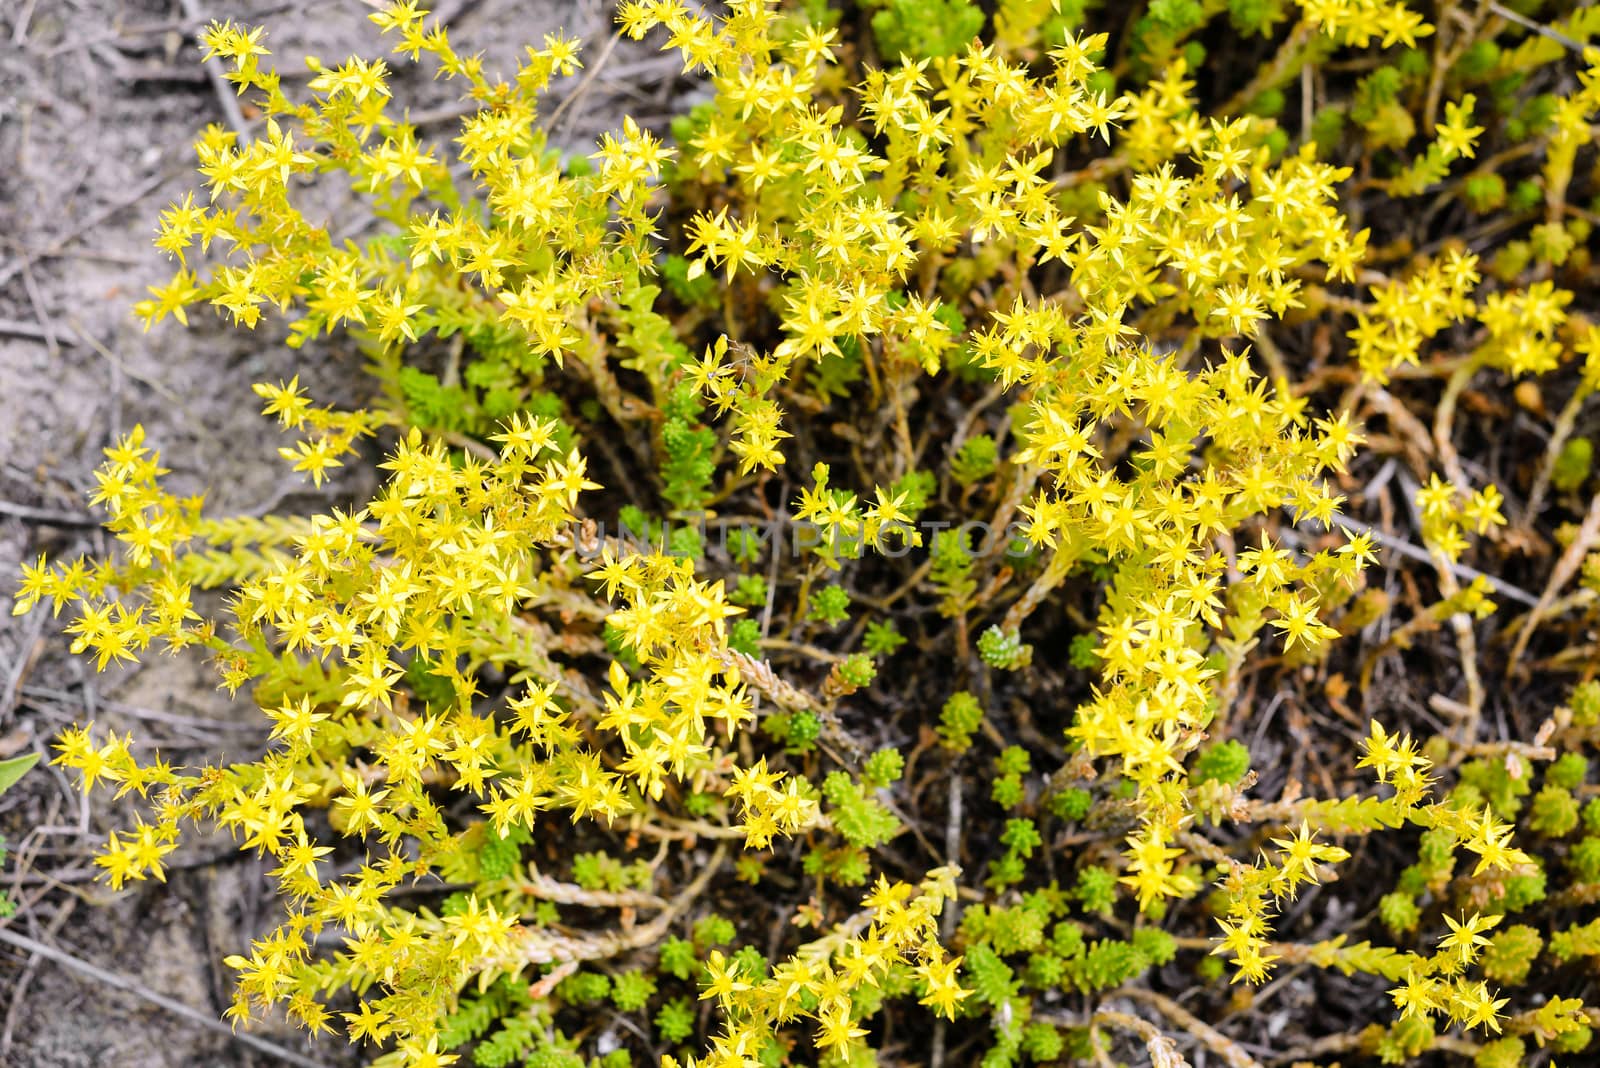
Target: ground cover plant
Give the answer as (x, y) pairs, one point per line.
(998, 538)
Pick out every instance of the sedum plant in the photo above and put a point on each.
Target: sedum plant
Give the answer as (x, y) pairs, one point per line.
(534, 684)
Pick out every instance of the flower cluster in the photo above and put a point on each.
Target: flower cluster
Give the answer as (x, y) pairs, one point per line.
(1039, 256)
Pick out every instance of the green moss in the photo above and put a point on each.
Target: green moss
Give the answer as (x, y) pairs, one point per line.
(1554, 812)
(677, 957)
(959, 720)
(924, 29)
(1573, 464)
(1096, 888)
(1511, 953)
(630, 991)
(1399, 912)
(1224, 762)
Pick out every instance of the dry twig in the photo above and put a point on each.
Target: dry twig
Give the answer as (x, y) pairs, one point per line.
(1569, 564)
